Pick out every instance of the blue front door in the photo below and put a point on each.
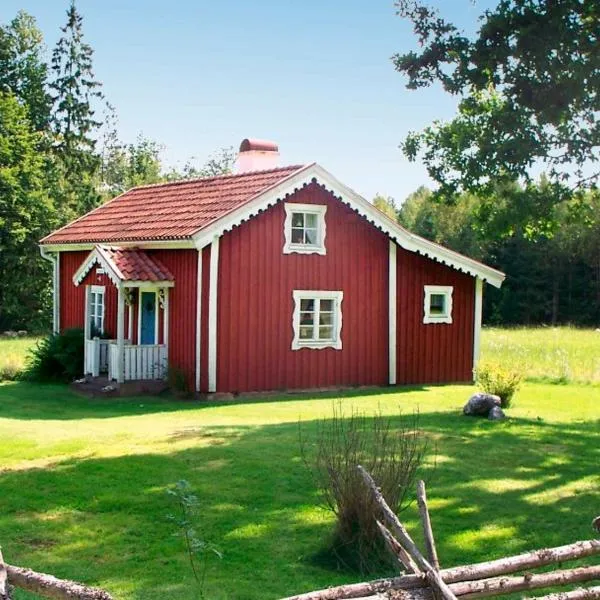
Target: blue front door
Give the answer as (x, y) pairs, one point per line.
(148, 308)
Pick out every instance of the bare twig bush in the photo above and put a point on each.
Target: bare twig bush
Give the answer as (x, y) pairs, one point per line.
(391, 448)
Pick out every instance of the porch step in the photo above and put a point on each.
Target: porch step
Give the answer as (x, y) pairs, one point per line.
(102, 387)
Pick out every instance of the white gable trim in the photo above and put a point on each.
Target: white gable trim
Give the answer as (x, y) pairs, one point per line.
(96, 256)
(403, 237)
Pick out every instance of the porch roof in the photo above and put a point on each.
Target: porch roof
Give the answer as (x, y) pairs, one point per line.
(130, 267)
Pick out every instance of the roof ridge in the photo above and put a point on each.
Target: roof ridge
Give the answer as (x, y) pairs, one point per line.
(214, 177)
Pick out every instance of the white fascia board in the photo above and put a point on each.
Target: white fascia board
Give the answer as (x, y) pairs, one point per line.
(142, 245)
(403, 237)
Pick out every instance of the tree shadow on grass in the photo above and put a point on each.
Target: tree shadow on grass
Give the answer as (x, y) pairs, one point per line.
(30, 401)
(498, 488)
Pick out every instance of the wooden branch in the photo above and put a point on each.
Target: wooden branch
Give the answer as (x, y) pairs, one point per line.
(49, 586)
(580, 594)
(426, 522)
(436, 582)
(522, 562)
(397, 550)
(529, 581)
(502, 566)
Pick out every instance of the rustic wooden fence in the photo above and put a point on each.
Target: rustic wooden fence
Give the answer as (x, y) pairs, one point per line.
(424, 580)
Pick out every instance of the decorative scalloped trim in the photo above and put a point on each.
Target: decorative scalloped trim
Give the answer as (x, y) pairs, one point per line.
(316, 174)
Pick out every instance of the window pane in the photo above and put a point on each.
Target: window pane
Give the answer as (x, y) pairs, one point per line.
(311, 236)
(297, 236)
(325, 318)
(437, 304)
(327, 305)
(298, 219)
(307, 318)
(306, 333)
(307, 304)
(310, 220)
(325, 333)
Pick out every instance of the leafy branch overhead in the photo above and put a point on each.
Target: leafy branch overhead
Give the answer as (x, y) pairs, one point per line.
(528, 84)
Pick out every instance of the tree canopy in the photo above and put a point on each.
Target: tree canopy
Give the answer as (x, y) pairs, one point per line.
(529, 88)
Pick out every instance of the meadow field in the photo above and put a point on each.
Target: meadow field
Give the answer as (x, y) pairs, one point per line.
(83, 483)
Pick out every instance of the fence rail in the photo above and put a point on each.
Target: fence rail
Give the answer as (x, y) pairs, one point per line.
(147, 361)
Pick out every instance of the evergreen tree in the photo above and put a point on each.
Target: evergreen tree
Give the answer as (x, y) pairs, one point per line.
(75, 92)
(23, 71)
(26, 214)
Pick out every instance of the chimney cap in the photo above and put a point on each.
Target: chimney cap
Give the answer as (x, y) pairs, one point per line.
(250, 144)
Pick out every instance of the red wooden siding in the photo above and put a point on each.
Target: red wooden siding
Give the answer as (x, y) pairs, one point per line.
(435, 352)
(182, 309)
(256, 281)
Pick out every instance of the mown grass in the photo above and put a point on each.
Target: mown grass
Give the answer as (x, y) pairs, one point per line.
(546, 354)
(13, 356)
(83, 484)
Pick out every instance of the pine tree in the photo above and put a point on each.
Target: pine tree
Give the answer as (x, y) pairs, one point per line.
(75, 92)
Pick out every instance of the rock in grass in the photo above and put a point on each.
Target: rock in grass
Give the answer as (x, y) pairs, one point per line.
(480, 404)
(496, 414)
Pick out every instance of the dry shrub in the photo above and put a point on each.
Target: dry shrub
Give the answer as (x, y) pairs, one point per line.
(392, 449)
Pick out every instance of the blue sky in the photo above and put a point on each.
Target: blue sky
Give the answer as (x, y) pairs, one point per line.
(314, 76)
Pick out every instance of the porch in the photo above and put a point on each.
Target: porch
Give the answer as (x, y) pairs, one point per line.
(139, 350)
(140, 362)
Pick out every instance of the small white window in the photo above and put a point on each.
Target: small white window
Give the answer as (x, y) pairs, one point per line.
(304, 228)
(317, 319)
(96, 310)
(438, 304)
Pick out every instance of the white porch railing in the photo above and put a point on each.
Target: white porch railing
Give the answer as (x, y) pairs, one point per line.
(148, 361)
(96, 356)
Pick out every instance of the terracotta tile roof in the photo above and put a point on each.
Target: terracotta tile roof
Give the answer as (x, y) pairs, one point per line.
(168, 211)
(135, 265)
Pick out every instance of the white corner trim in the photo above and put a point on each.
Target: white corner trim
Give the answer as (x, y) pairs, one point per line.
(477, 321)
(337, 297)
(212, 315)
(198, 318)
(404, 238)
(446, 290)
(392, 308)
(314, 209)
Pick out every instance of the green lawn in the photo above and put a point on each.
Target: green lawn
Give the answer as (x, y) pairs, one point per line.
(82, 488)
(82, 483)
(13, 354)
(550, 354)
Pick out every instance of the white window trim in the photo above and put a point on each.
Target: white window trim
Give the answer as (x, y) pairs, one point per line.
(316, 209)
(437, 289)
(337, 297)
(98, 289)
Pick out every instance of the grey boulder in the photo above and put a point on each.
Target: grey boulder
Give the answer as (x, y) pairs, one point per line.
(496, 414)
(480, 404)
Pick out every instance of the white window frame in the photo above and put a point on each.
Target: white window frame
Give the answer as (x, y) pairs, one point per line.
(95, 291)
(337, 297)
(292, 208)
(430, 290)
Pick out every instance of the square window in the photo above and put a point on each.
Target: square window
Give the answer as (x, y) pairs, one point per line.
(304, 228)
(437, 305)
(317, 319)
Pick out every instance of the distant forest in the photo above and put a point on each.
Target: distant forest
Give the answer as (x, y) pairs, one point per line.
(552, 265)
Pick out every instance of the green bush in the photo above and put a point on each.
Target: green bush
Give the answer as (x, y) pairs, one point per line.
(494, 378)
(58, 357)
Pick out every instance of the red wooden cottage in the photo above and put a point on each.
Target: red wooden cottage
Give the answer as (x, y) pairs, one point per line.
(269, 279)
